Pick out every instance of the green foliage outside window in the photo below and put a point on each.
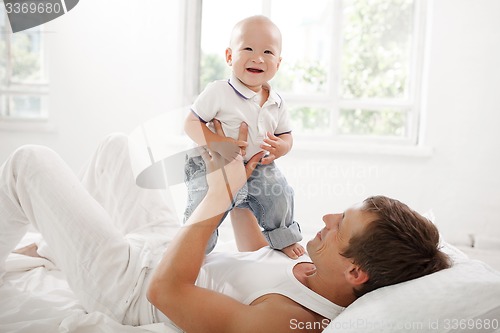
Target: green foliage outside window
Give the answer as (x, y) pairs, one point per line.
(25, 57)
(310, 120)
(367, 122)
(376, 48)
(213, 67)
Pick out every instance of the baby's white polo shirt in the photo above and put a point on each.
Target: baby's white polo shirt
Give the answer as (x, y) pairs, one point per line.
(232, 103)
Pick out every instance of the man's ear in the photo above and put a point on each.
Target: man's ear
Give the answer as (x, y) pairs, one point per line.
(356, 276)
(229, 56)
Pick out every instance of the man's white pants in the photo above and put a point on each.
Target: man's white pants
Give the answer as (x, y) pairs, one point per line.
(101, 228)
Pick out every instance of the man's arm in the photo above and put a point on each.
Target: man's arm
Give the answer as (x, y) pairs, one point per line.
(172, 288)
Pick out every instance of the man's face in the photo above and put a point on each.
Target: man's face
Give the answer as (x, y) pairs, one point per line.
(325, 249)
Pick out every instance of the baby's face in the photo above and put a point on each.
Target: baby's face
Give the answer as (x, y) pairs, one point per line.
(255, 53)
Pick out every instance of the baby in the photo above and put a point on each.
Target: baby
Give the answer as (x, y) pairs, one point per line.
(254, 54)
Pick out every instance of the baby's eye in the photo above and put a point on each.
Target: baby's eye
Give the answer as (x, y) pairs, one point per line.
(247, 49)
(268, 52)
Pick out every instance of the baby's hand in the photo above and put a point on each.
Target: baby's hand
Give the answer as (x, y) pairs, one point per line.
(276, 147)
(294, 251)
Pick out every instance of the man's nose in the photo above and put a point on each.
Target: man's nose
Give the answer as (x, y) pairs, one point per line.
(330, 219)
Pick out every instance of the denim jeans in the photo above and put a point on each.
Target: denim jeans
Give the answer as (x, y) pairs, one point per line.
(266, 193)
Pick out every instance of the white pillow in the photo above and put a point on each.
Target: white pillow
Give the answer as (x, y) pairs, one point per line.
(465, 297)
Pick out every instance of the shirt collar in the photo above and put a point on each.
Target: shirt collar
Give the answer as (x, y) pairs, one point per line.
(248, 93)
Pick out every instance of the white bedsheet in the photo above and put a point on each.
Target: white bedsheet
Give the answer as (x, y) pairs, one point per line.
(39, 300)
(36, 298)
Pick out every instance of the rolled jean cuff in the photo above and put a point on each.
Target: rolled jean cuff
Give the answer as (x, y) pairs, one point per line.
(283, 237)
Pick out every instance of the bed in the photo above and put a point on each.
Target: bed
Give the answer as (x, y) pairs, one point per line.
(36, 298)
(465, 298)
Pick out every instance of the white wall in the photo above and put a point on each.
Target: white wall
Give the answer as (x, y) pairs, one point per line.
(464, 114)
(114, 64)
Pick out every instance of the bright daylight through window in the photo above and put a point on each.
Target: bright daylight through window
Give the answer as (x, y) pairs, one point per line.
(351, 69)
(23, 83)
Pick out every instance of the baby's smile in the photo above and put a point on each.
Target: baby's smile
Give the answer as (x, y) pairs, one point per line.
(255, 70)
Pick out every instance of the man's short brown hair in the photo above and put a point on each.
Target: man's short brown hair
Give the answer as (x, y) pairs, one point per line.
(397, 246)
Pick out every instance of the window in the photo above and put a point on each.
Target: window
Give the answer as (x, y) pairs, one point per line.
(351, 69)
(23, 81)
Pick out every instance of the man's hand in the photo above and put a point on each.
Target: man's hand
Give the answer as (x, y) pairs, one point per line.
(230, 164)
(242, 143)
(225, 145)
(276, 147)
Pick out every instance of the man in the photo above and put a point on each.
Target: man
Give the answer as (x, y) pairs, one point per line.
(377, 243)
(84, 222)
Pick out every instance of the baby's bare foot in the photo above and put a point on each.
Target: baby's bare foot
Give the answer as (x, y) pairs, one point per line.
(294, 251)
(29, 250)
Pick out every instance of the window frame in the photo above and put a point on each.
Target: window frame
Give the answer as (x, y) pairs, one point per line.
(331, 100)
(10, 88)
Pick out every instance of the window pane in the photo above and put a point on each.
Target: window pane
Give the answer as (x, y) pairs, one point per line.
(26, 56)
(310, 120)
(369, 122)
(307, 42)
(213, 67)
(26, 107)
(376, 48)
(218, 19)
(22, 83)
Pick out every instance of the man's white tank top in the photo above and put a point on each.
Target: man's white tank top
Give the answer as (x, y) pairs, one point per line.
(246, 276)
